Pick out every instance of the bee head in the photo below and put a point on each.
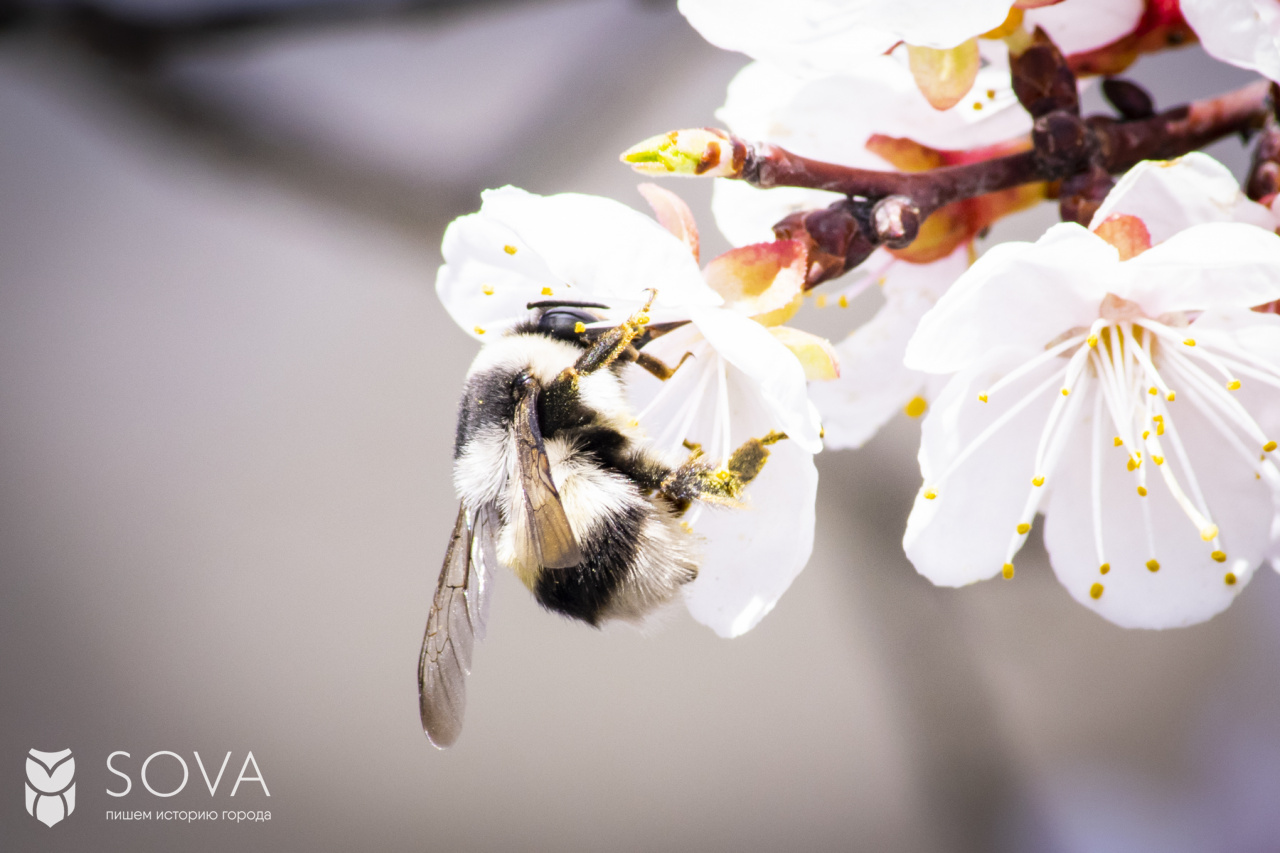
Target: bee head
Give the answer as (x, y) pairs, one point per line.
(563, 321)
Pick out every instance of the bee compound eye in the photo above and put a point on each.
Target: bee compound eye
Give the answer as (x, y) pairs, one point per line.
(563, 322)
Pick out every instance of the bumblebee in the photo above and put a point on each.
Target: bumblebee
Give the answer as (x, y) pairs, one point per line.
(559, 483)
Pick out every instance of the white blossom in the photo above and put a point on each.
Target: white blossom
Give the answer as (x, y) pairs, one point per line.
(1122, 391)
(1245, 33)
(742, 380)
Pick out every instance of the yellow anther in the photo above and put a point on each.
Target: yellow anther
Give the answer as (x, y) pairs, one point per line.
(977, 105)
(1023, 528)
(1233, 385)
(1219, 556)
(1104, 568)
(1230, 578)
(1066, 391)
(1007, 571)
(1209, 532)
(1142, 491)
(1160, 428)
(930, 494)
(1158, 418)
(1159, 460)
(915, 408)
(1153, 391)
(1037, 480)
(1268, 447)
(991, 94)
(1095, 591)
(546, 291)
(843, 301)
(1116, 442)
(1093, 341)
(487, 290)
(982, 398)
(1146, 433)
(509, 249)
(1171, 396)
(1153, 565)
(579, 327)
(1190, 342)
(479, 331)
(820, 300)
(1133, 464)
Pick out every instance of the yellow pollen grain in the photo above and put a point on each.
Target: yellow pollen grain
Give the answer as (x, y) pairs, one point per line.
(1209, 532)
(509, 249)
(915, 408)
(1023, 528)
(1233, 385)
(487, 290)
(1116, 442)
(843, 301)
(546, 291)
(1159, 460)
(982, 397)
(1152, 391)
(1095, 591)
(1146, 433)
(1153, 565)
(1104, 568)
(1158, 418)
(1007, 571)
(821, 300)
(642, 319)
(1160, 428)
(579, 327)
(1037, 480)
(1142, 491)
(1093, 341)
(1229, 578)
(1066, 391)
(479, 331)
(1268, 447)
(1190, 342)
(1219, 556)
(1171, 397)
(930, 494)
(1133, 464)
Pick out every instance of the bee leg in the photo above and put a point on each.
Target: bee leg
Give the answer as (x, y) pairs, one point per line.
(612, 343)
(657, 367)
(696, 480)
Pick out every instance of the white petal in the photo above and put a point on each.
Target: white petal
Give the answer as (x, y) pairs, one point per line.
(1169, 196)
(1245, 33)
(1017, 294)
(963, 533)
(1080, 25)
(746, 215)
(774, 372)
(874, 384)
(753, 553)
(1218, 264)
(1189, 586)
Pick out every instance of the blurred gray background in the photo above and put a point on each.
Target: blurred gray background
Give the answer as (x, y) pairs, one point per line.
(227, 395)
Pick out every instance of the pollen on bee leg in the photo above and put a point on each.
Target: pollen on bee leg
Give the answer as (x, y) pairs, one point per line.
(1007, 571)
(930, 494)
(1023, 528)
(1219, 556)
(1153, 565)
(579, 327)
(1209, 532)
(1095, 591)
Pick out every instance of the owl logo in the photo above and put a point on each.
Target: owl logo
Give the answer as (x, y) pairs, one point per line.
(51, 785)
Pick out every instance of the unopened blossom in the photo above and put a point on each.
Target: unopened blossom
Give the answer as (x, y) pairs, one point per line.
(741, 380)
(1116, 380)
(1245, 33)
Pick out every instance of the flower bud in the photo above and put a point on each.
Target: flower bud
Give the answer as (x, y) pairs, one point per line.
(704, 151)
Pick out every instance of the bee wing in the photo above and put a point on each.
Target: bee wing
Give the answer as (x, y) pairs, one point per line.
(546, 530)
(457, 620)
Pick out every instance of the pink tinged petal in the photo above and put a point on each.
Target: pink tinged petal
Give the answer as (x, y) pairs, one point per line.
(1170, 196)
(774, 374)
(1082, 25)
(1189, 586)
(1218, 264)
(945, 76)
(672, 214)
(816, 355)
(601, 250)
(760, 278)
(1245, 33)
(1018, 294)
(1127, 233)
(966, 514)
(754, 552)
